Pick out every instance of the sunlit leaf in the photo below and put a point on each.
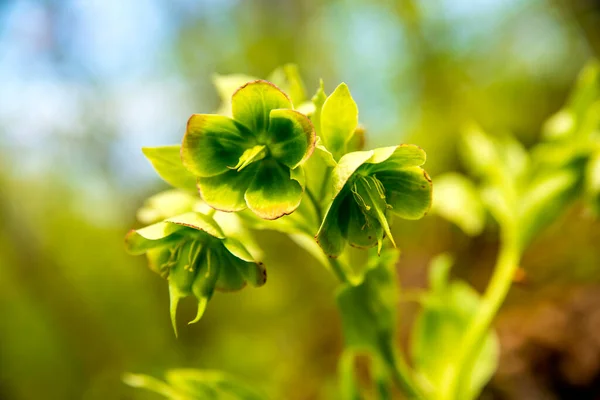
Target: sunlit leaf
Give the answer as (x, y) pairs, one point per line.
(339, 119)
(439, 328)
(457, 199)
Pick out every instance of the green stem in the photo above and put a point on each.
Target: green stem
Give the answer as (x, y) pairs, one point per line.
(338, 270)
(455, 383)
(401, 372)
(315, 204)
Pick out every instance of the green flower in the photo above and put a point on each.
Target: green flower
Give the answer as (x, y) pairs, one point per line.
(368, 187)
(254, 159)
(192, 252)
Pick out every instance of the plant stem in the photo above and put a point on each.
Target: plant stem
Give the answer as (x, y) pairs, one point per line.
(400, 370)
(455, 383)
(315, 204)
(338, 270)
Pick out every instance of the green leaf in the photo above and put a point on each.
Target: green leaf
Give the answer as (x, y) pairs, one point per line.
(166, 160)
(369, 310)
(592, 182)
(273, 193)
(457, 200)
(318, 100)
(193, 384)
(478, 151)
(339, 119)
(446, 312)
(291, 137)
(357, 141)
(289, 80)
(213, 144)
(225, 192)
(408, 191)
(253, 102)
(545, 199)
(218, 385)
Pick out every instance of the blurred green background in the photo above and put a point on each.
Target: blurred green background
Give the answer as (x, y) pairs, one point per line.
(84, 84)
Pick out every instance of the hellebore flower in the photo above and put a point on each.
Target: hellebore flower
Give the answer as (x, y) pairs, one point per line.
(368, 187)
(253, 160)
(191, 251)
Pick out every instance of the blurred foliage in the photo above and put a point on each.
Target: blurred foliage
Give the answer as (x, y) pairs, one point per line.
(86, 84)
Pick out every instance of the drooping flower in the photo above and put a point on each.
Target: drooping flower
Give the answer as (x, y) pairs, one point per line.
(192, 252)
(253, 160)
(369, 186)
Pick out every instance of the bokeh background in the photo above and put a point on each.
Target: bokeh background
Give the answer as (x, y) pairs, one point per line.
(84, 84)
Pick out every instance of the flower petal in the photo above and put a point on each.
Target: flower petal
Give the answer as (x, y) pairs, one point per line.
(166, 160)
(230, 277)
(213, 143)
(396, 157)
(273, 193)
(153, 236)
(408, 191)
(225, 192)
(334, 229)
(252, 103)
(291, 137)
(252, 271)
(363, 230)
(199, 222)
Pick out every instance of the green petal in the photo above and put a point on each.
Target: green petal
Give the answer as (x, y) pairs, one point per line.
(158, 259)
(334, 229)
(339, 118)
(153, 236)
(396, 157)
(273, 193)
(230, 278)
(291, 137)
(181, 278)
(372, 201)
(408, 191)
(166, 160)
(252, 271)
(206, 279)
(213, 143)
(363, 231)
(225, 192)
(384, 158)
(253, 102)
(347, 165)
(199, 222)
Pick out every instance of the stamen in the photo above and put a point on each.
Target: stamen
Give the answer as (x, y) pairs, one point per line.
(359, 198)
